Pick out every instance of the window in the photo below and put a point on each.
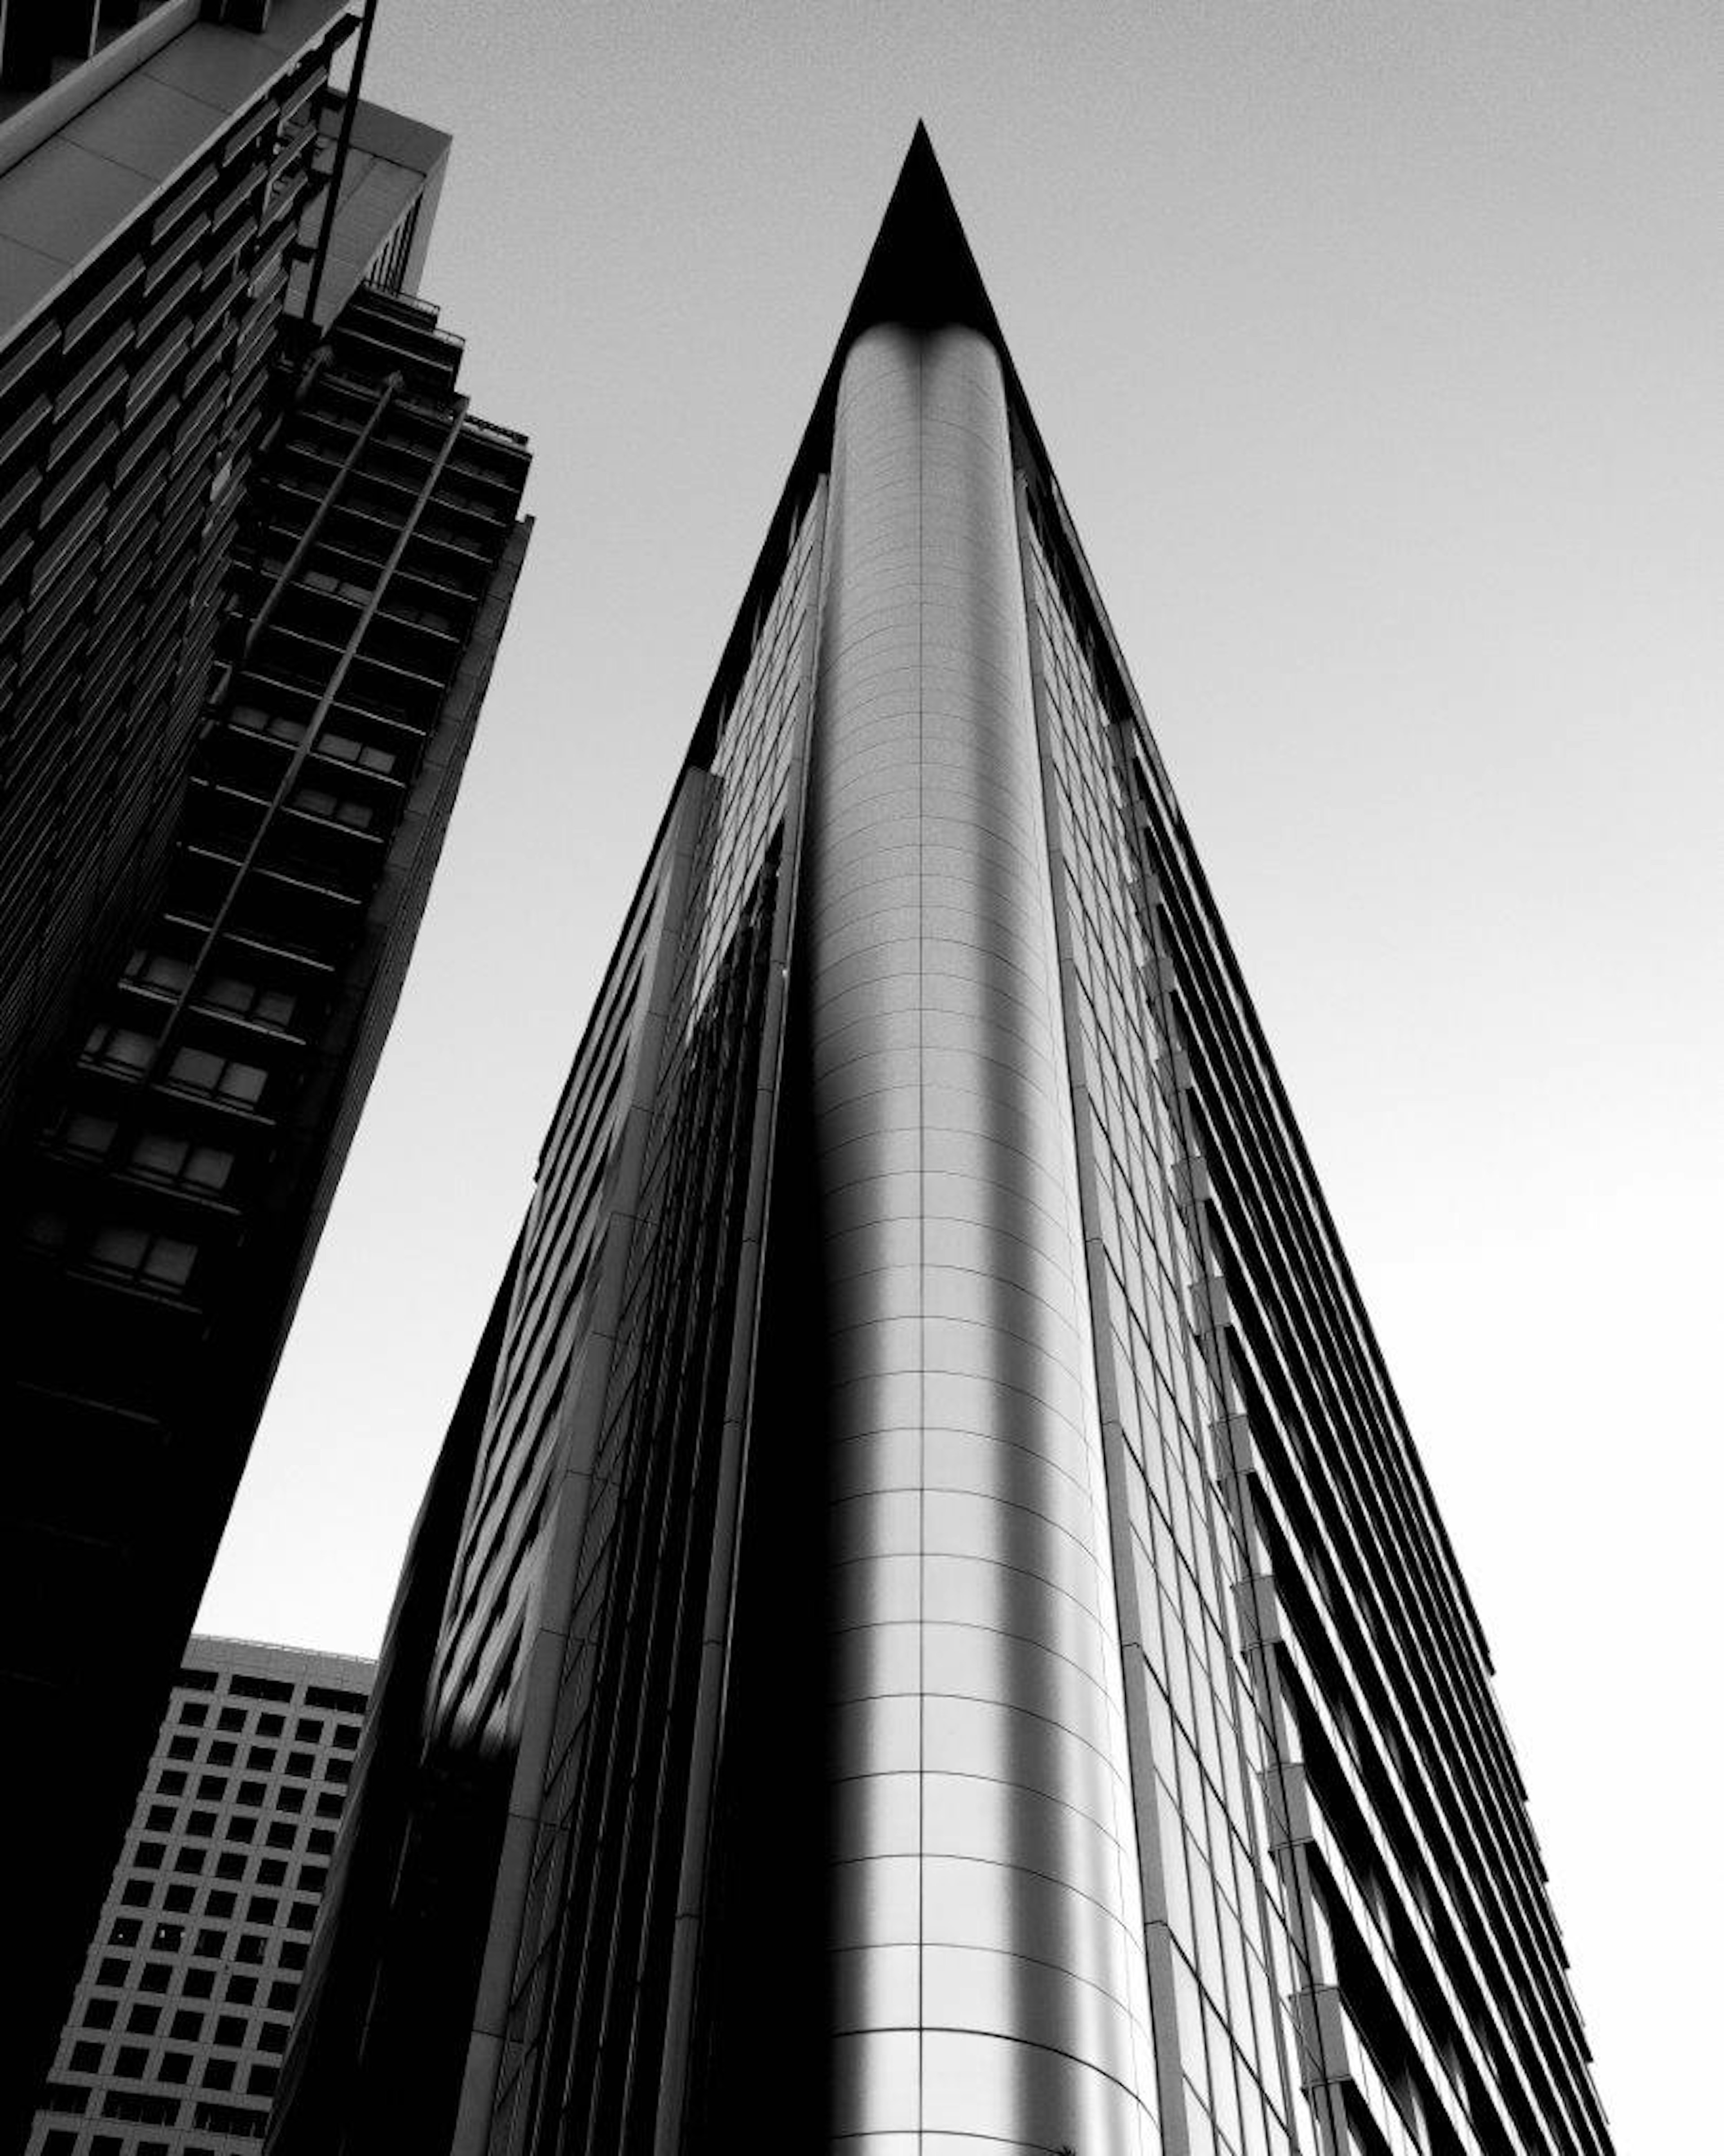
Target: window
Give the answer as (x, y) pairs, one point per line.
(174, 2066)
(124, 1931)
(321, 1841)
(264, 1909)
(177, 1898)
(136, 1893)
(191, 1860)
(281, 1834)
(293, 1953)
(276, 726)
(229, 2029)
(196, 1711)
(142, 2019)
(248, 999)
(137, 1253)
(222, 1754)
(329, 1805)
(186, 2025)
(271, 1725)
(87, 1136)
(172, 1784)
(308, 1732)
(319, 801)
(273, 2036)
(167, 1938)
(219, 1903)
(157, 969)
(301, 1762)
(149, 1855)
(231, 1864)
(347, 1737)
(313, 1878)
(282, 1995)
(199, 1983)
(261, 1758)
(119, 1047)
(180, 1748)
(157, 1976)
(219, 1077)
(252, 1947)
(345, 1702)
(214, 1786)
(187, 1167)
(339, 1770)
(201, 1823)
(98, 2013)
(130, 2061)
(261, 2080)
(210, 1942)
(231, 1717)
(113, 1968)
(241, 1991)
(272, 1872)
(240, 1828)
(291, 1799)
(86, 2058)
(218, 2074)
(302, 1916)
(252, 1793)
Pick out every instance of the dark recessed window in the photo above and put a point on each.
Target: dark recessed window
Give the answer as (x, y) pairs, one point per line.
(241, 1991)
(229, 2029)
(86, 2058)
(231, 1717)
(98, 2013)
(129, 2061)
(137, 1893)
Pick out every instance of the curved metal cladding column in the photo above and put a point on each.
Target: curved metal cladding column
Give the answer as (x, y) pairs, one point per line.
(984, 1904)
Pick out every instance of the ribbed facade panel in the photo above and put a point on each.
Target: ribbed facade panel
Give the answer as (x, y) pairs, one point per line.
(984, 1915)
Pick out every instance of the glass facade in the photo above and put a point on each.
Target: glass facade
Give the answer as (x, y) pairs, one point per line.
(958, 1644)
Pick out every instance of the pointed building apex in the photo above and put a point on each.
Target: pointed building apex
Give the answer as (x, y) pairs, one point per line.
(920, 268)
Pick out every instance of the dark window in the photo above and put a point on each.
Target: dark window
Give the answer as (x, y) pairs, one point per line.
(186, 2025)
(272, 1872)
(86, 2058)
(229, 2029)
(199, 1983)
(220, 1904)
(222, 1754)
(281, 1835)
(157, 1976)
(178, 1898)
(212, 1785)
(175, 2066)
(231, 1717)
(137, 1893)
(231, 1864)
(264, 1909)
(167, 1938)
(201, 1823)
(261, 1758)
(240, 1829)
(218, 2074)
(302, 1916)
(149, 1855)
(241, 1991)
(262, 2081)
(98, 2013)
(252, 1793)
(271, 1725)
(142, 2019)
(194, 1712)
(172, 1784)
(308, 1732)
(124, 1931)
(129, 2061)
(302, 1763)
(282, 1995)
(160, 1818)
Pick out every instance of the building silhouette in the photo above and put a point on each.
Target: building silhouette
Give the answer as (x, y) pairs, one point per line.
(177, 2031)
(256, 554)
(930, 1631)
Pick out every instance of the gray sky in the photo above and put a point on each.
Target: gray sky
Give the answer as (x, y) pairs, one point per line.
(1377, 346)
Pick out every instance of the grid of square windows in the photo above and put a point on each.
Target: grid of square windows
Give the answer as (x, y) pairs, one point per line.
(182, 2016)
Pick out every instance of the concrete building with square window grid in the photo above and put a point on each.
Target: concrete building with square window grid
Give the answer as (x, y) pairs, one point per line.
(931, 1633)
(217, 827)
(175, 2038)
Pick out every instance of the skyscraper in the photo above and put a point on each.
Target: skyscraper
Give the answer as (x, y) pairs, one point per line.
(181, 2016)
(946, 1642)
(273, 804)
(157, 168)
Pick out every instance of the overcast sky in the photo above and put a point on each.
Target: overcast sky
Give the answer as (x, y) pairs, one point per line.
(1378, 348)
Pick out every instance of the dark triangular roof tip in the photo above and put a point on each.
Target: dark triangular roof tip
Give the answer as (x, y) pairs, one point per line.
(920, 269)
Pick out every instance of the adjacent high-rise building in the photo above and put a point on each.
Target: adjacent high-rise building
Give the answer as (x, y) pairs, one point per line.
(256, 553)
(930, 1631)
(174, 2043)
